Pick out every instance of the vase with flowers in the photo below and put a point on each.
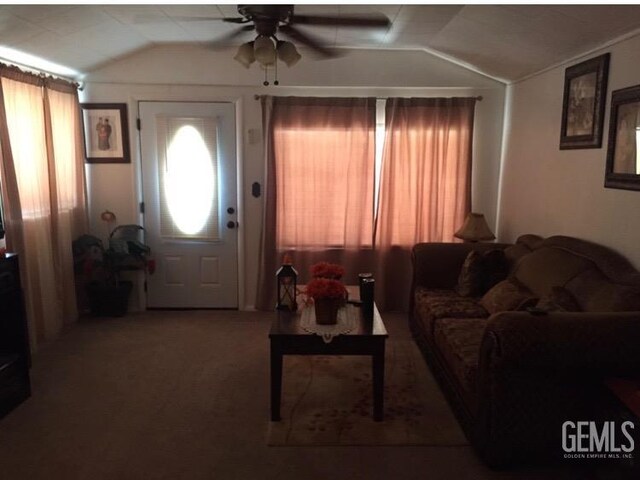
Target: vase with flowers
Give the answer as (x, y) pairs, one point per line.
(328, 295)
(327, 270)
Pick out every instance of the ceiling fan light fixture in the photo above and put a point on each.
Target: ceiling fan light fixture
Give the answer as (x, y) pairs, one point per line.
(264, 50)
(288, 53)
(245, 54)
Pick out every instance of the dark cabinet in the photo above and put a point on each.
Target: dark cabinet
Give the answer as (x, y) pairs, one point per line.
(15, 358)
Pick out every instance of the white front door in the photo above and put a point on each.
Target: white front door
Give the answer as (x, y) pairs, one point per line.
(190, 198)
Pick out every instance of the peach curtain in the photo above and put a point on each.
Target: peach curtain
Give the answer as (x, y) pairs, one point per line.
(320, 155)
(425, 186)
(45, 167)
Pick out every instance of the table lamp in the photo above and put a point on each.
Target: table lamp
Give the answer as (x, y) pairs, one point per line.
(474, 229)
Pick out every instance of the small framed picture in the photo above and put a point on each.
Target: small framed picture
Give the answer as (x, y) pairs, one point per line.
(623, 152)
(106, 132)
(585, 91)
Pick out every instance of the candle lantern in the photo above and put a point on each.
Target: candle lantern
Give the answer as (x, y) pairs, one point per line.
(286, 277)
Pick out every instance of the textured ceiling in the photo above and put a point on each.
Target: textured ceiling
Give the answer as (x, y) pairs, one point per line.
(504, 41)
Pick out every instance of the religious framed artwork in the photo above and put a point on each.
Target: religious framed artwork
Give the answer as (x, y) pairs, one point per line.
(585, 91)
(106, 132)
(623, 149)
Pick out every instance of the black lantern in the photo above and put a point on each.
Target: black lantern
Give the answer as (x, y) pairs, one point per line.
(286, 278)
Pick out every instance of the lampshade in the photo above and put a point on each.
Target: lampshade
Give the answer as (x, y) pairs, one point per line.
(245, 54)
(264, 50)
(288, 54)
(474, 229)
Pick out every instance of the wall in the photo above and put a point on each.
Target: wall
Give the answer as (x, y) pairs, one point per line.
(548, 191)
(183, 72)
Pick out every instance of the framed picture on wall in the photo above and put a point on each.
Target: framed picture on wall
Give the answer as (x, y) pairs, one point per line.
(106, 132)
(623, 150)
(585, 90)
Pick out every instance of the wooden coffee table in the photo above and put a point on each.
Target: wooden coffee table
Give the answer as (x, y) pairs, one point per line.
(289, 338)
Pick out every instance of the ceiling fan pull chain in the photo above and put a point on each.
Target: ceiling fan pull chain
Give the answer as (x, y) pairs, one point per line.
(276, 82)
(266, 82)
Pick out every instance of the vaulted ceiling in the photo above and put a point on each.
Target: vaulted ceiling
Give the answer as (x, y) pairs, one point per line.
(507, 42)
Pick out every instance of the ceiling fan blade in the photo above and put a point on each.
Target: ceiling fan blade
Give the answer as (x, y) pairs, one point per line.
(142, 19)
(224, 40)
(235, 20)
(310, 42)
(369, 21)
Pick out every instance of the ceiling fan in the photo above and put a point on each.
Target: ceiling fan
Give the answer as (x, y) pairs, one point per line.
(269, 20)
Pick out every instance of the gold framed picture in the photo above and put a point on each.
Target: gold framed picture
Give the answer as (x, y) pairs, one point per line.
(585, 90)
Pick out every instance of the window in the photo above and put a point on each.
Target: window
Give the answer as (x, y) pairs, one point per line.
(324, 159)
(324, 153)
(338, 166)
(425, 185)
(188, 170)
(43, 178)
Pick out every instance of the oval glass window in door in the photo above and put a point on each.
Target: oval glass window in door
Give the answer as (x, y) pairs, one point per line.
(189, 181)
(188, 178)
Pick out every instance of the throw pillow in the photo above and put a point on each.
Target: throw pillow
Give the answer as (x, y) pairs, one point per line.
(481, 271)
(559, 299)
(470, 280)
(507, 296)
(495, 267)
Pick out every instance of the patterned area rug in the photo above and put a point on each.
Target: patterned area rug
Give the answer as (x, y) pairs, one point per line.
(327, 400)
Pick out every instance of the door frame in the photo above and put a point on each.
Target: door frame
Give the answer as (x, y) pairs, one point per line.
(134, 115)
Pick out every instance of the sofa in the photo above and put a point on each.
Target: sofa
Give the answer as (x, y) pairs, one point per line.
(513, 377)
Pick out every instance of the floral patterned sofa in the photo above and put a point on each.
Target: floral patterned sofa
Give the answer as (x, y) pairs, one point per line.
(515, 374)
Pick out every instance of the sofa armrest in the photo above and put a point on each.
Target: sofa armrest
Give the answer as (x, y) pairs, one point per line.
(438, 265)
(537, 372)
(594, 343)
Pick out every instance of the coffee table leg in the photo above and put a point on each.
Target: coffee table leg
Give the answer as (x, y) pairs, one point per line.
(276, 383)
(378, 385)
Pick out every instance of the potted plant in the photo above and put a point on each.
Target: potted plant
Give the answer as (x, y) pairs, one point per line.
(100, 268)
(328, 296)
(327, 270)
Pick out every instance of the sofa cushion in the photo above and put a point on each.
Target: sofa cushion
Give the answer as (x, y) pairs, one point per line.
(422, 293)
(481, 271)
(548, 267)
(458, 341)
(558, 300)
(432, 305)
(514, 253)
(507, 295)
(596, 293)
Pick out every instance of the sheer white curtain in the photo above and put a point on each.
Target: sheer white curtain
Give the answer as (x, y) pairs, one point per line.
(67, 180)
(320, 155)
(45, 152)
(425, 188)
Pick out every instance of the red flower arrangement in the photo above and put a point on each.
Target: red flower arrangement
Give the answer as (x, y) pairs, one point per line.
(327, 270)
(324, 288)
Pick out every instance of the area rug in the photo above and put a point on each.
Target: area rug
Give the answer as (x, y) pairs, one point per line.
(327, 400)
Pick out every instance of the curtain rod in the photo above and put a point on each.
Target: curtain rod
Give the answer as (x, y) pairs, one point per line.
(478, 98)
(41, 75)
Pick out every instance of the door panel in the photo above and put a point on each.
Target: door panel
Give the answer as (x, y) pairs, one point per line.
(210, 271)
(174, 274)
(189, 184)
